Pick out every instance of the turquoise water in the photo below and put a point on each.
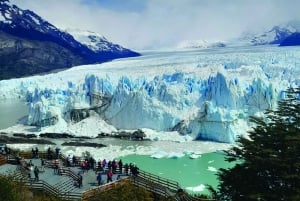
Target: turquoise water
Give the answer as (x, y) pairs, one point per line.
(11, 111)
(191, 174)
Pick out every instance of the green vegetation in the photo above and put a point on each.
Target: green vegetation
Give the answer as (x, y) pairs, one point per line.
(269, 167)
(11, 190)
(128, 192)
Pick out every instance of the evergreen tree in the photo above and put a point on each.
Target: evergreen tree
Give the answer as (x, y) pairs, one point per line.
(268, 167)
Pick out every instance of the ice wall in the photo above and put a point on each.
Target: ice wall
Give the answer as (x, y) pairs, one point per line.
(214, 109)
(201, 94)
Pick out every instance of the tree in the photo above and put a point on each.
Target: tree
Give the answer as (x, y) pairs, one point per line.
(268, 160)
(8, 189)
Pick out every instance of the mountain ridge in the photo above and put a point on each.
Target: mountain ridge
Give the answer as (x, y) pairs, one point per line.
(275, 35)
(25, 25)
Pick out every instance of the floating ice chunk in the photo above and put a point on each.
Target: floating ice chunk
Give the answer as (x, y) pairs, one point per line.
(212, 169)
(194, 156)
(199, 188)
(159, 154)
(175, 155)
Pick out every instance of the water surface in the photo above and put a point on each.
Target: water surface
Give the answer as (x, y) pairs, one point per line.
(11, 111)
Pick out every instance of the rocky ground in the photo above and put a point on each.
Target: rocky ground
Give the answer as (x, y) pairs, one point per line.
(45, 138)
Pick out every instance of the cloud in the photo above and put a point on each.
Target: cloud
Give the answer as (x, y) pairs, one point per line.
(156, 23)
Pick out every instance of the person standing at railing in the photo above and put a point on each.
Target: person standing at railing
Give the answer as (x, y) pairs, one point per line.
(42, 165)
(49, 152)
(36, 152)
(120, 164)
(56, 165)
(103, 164)
(99, 178)
(80, 181)
(33, 153)
(74, 160)
(57, 150)
(69, 161)
(109, 176)
(36, 173)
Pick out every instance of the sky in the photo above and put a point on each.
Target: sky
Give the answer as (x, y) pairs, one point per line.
(146, 24)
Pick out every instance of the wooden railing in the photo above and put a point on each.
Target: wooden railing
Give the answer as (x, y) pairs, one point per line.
(69, 173)
(49, 189)
(2, 160)
(86, 195)
(164, 187)
(156, 184)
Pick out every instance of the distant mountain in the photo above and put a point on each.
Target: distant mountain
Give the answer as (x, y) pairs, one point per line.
(291, 40)
(194, 44)
(273, 36)
(98, 43)
(30, 45)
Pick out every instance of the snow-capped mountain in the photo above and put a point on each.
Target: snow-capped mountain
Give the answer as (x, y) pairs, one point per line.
(201, 94)
(95, 41)
(201, 44)
(273, 36)
(33, 44)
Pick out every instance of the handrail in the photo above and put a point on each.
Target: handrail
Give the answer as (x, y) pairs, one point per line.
(170, 184)
(86, 195)
(163, 186)
(3, 160)
(70, 173)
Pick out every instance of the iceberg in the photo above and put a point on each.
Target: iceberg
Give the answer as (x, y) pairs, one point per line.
(199, 94)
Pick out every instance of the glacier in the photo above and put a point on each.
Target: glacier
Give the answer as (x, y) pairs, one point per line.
(201, 94)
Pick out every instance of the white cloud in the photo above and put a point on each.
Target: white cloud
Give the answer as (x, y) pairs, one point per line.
(165, 23)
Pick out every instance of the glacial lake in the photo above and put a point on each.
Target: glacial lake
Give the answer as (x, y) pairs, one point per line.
(191, 174)
(11, 111)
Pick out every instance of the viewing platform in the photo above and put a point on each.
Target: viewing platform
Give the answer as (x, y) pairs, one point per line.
(65, 184)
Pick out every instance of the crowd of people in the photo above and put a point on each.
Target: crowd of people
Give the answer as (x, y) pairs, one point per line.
(108, 168)
(102, 168)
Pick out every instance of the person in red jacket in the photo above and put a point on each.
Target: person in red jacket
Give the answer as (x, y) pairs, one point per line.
(109, 176)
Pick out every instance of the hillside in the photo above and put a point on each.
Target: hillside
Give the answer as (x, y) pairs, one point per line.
(31, 45)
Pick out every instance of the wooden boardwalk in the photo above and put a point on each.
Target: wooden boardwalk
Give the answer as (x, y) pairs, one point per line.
(65, 186)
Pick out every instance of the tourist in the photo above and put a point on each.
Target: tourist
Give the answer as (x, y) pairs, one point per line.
(109, 165)
(57, 150)
(99, 166)
(33, 153)
(92, 163)
(56, 165)
(69, 161)
(109, 176)
(42, 165)
(103, 164)
(114, 165)
(74, 159)
(36, 173)
(126, 167)
(36, 152)
(80, 181)
(99, 178)
(120, 163)
(49, 153)
(135, 170)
